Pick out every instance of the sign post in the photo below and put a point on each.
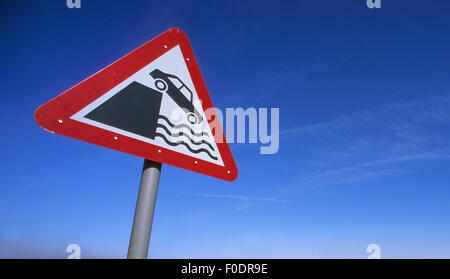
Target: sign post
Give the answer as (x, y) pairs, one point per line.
(145, 210)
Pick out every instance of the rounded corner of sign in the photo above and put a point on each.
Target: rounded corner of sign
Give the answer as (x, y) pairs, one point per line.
(180, 33)
(232, 174)
(176, 30)
(38, 115)
(233, 178)
(40, 118)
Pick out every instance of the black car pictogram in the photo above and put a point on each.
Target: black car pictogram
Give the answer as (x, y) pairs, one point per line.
(179, 92)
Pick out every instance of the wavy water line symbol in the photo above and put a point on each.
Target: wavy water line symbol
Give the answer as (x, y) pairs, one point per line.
(181, 126)
(180, 134)
(175, 134)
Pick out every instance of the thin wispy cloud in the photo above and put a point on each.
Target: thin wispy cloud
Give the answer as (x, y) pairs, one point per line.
(442, 154)
(373, 142)
(234, 197)
(432, 109)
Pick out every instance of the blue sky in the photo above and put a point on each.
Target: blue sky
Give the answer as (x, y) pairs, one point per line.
(364, 98)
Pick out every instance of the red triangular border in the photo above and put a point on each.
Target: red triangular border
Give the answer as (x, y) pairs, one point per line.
(54, 115)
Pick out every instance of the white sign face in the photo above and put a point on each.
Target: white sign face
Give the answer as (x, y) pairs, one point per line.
(158, 105)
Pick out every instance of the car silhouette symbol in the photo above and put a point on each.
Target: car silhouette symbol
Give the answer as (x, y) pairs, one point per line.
(179, 92)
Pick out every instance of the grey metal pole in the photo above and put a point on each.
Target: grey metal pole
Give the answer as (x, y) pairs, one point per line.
(145, 208)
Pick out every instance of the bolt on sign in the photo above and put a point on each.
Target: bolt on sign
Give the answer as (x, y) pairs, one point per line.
(150, 103)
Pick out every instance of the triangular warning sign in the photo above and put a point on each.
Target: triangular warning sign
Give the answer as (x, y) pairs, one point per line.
(152, 103)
